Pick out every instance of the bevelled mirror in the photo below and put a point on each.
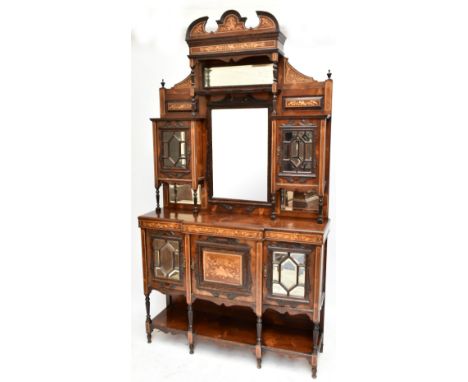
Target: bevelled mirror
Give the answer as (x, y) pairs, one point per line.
(240, 154)
(238, 75)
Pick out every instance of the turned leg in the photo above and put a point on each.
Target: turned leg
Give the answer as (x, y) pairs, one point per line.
(258, 347)
(149, 326)
(314, 359)
(190, 328)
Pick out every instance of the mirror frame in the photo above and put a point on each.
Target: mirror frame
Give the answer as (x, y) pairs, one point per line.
(240, 104)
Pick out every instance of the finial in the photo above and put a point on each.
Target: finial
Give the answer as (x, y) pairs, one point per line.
(162, 83)
(329, 74)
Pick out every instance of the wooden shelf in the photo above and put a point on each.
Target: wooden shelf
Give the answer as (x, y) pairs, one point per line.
(281, 333)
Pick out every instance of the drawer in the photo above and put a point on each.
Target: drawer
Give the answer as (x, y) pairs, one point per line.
(223, 268)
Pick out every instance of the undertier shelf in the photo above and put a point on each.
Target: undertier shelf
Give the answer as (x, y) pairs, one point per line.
(237, 325)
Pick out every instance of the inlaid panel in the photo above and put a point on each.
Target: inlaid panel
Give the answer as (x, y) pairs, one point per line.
(222, 267)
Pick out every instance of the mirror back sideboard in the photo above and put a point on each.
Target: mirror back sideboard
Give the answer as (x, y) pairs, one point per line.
(241, 268)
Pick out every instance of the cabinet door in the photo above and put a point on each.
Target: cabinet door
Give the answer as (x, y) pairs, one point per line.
(174, 149)
(165, 259)
(223, 268)
(298, 146)
(289, 272)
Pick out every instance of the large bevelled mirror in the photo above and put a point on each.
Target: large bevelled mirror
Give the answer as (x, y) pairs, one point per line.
(240, 154)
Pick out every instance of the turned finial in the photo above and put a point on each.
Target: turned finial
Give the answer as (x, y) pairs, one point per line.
(162, 83)
(329, 74)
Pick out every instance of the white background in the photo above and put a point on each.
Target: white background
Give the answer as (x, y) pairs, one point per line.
(68, 224)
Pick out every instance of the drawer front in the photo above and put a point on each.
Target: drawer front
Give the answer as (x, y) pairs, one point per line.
(223, 268)
(289, 271)
(165, 260)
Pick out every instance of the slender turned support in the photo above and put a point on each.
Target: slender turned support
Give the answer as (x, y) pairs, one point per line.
(195, 201)
(192, 85)
(190, 328)
(258, 348)
(320, 211)
(316, 335)
(175, 193)
(149, 326)
(273, 205)
(274, 87)
(158, 207)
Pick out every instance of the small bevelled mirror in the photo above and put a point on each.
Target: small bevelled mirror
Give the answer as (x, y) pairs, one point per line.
(239, 75)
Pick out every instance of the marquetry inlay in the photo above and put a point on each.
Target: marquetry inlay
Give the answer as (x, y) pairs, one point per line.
(303, 102)
(227, 232)
(222, 267)
(233, 47)
(184, 84)
(179, 106)
(232, 23)
(293, 237)
(160, 225)
(293, 76)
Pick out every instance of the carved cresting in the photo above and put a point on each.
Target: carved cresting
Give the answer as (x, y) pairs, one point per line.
(265, 36)
(231, 21)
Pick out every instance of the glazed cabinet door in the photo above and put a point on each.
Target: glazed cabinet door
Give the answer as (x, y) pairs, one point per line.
(172, 140)
(165, 260)
(223, 268)
(289, 275)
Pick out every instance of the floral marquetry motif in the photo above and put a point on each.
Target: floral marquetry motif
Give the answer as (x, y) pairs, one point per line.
(222, 267)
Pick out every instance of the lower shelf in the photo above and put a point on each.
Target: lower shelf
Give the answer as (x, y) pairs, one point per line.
(237, 325)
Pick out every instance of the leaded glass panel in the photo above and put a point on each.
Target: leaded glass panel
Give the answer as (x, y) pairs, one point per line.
(174, 149)
(288, 274)
(166, 258)
(298, 150)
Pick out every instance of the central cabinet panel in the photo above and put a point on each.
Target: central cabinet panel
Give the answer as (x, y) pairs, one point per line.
(223, 268)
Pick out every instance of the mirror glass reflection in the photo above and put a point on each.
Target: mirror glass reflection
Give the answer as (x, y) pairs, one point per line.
(239, 75)
(240, 154)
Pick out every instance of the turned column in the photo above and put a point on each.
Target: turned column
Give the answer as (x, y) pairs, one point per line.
(258, 347)
(316, 336)
(190, 328)
(149, 325)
